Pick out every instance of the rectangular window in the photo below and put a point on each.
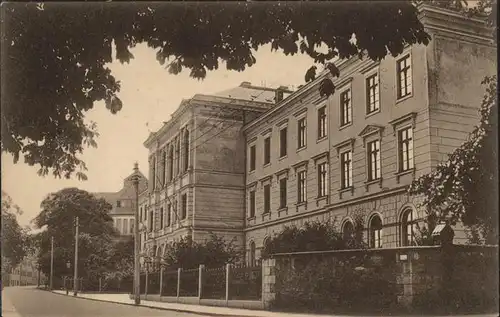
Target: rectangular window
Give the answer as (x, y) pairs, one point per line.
(169, 211)
(153, 163)
(118, 203)
(267, 150)
(184, 206)
(345, 107)
(346, 167)
(374, 160)
(283, 189)
(125, 226)
(252, 158)
(372, 94)
(140, 213)
(283, 142)
(119, 225)
(252, 204)
(164, 166)
(186, 150)
(322, 125)
(301, 138)
(132, 226)
(161, 218)
(301, 186)
(151, 220)
(405, 138)
(322, 181)
(404, 80)
(267, 199)
(178, 155)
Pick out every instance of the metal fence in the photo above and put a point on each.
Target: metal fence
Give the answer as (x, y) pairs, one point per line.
(214, 283)
(189, 282)
(169, 287)
(154, 283)
(245, 282)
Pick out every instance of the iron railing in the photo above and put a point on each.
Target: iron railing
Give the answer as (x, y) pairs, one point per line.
(169, 287)
(214, 283)
(189, 283)
(245, 282)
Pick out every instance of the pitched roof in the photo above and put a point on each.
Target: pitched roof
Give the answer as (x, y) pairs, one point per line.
(245, 91)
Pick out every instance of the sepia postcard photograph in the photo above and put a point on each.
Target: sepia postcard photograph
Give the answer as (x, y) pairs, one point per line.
(249, 158)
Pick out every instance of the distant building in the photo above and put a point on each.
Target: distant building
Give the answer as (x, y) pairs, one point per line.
(123, 203)
(26, 273)
(197, 167)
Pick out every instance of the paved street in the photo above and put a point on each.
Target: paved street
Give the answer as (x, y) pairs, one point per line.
(28, 302)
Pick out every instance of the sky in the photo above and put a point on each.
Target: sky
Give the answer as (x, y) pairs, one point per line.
(150, 95)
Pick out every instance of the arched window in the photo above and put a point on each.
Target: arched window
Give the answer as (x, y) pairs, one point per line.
(348, 231)
(186, 150)
(408, 227)
(375, 232)
(251, 255)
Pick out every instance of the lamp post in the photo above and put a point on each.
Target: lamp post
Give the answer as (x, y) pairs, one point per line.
(68, 266)
(75, 278)
(137, 289)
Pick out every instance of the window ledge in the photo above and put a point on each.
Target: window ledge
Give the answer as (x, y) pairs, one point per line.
(373, 112)
(282, 210)
(266, 165)
(321, 198)
(344, 190)
(375, 181)
(297, 205)
(251, 218)
(402, 173)
(342, 127)
(251, 172)
(401, 99)
(284, 157)
(323, 138)
(267, 213)
(301, 148)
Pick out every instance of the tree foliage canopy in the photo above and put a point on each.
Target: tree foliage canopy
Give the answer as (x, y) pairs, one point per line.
(56, 55)
(96, 231)
(14, 237)
(188, 254)
(465, 187)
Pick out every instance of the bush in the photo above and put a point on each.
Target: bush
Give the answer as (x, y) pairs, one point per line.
(188, 254)
(313, 236)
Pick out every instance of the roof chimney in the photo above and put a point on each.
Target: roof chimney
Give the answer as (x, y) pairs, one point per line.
(245, 84)
(279, 93)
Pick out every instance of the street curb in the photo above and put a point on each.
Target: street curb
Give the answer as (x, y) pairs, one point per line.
(153, 307)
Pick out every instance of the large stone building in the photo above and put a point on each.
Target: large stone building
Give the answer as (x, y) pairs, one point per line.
(353, 155)
(255, 165)
(197, 168)
(123, 203)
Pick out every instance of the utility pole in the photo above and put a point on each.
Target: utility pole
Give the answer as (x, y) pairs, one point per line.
(51, 262)
(75, 280)
(137, 272)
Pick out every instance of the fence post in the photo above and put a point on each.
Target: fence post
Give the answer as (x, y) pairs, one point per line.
(228, 272)
(179, 270)
(65, 286)
(200, 281)
(161, 280)
(100, 284)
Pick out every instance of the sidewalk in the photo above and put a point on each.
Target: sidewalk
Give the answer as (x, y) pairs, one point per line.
(201, 310)
(195, 309)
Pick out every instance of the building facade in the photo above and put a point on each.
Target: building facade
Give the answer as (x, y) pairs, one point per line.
(123, 203)
(26, 273)
(197, 168)
(248, 161)
(350, 157)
